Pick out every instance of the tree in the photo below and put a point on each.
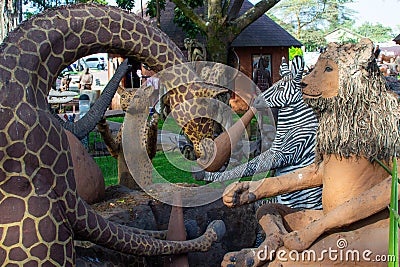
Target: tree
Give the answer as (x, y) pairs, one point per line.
(313, 40)
(218, 20)
(338, 15)
(376, 32)
(307, 19)
(10, 16)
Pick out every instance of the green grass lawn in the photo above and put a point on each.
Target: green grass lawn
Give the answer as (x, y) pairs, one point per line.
(169, 166)
(169, 125)
(109, 168)
(116, 119)
(172, 167)
(162, 165)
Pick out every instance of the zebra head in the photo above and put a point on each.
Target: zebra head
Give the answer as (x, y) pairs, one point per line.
(287, 91)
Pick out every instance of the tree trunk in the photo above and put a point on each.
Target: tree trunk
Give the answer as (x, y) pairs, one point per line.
(218, 43)
(10, 16)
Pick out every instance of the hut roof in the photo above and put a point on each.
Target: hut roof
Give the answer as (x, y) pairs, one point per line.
(397, 39)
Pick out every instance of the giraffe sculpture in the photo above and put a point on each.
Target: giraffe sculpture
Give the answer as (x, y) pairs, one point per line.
(41, 213)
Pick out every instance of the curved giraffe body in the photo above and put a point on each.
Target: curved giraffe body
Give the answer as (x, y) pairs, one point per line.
(41, 212)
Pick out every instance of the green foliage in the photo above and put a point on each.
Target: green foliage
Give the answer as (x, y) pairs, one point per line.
(189, 27)
(394, 220)
(312, 39)
(394, 210)
(41, 5)
(28, 15)
(337, 14)
(376, 32)
(295, 51)
(152, 7)
(309, 20)
(126, 4)
(102, 2)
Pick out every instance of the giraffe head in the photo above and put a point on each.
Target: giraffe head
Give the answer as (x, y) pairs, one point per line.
(192, 100)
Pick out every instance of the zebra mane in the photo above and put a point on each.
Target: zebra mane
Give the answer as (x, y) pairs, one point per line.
(296, 69)
(363, 119)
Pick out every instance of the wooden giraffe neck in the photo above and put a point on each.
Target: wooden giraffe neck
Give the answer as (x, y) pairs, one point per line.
(40, 211)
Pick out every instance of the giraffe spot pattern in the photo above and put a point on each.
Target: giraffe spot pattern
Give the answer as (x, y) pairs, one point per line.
(40, 210)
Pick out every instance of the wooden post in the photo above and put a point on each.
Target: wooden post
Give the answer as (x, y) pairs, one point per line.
(177, 232)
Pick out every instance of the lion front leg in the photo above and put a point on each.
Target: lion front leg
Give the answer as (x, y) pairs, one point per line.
(366, 204)
(276, 220)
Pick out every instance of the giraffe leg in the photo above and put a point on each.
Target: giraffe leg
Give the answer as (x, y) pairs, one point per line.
(123, 239)
(154, 234)
(213, 233)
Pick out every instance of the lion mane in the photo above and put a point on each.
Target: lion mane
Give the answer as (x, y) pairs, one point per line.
(363, 119)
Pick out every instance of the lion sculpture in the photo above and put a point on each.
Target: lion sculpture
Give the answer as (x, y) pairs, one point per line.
(359, 121)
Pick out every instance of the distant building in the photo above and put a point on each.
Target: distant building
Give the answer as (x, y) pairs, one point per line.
(341, 35)
(262, 37)
(397, 39)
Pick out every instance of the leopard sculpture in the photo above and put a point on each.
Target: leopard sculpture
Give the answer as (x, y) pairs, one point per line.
(115, 146)
(41, 212)
(359, 120)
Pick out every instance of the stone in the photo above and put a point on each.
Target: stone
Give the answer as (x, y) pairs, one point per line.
(241, 228)
(136, 208)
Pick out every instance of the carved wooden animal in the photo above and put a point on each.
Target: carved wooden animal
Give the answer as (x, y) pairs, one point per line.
(115, 146)
(41, 213)
(359, 122)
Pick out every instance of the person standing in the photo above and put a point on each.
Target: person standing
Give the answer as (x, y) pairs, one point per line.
(86, 80)
(150, 79)
(65, 81)
(377, 51)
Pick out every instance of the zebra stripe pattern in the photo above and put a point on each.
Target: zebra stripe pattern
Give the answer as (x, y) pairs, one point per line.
(293, 146)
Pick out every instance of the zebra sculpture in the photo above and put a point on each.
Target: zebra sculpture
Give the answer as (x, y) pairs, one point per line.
(294, 143)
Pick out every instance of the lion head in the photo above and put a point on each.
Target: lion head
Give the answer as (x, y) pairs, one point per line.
(358, 115)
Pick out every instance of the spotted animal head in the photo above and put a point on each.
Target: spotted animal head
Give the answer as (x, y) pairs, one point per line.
(126, 96)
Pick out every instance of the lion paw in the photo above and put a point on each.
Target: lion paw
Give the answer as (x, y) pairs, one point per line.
(252, 257)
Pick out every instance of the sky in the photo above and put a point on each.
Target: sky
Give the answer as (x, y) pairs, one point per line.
(385, 12)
